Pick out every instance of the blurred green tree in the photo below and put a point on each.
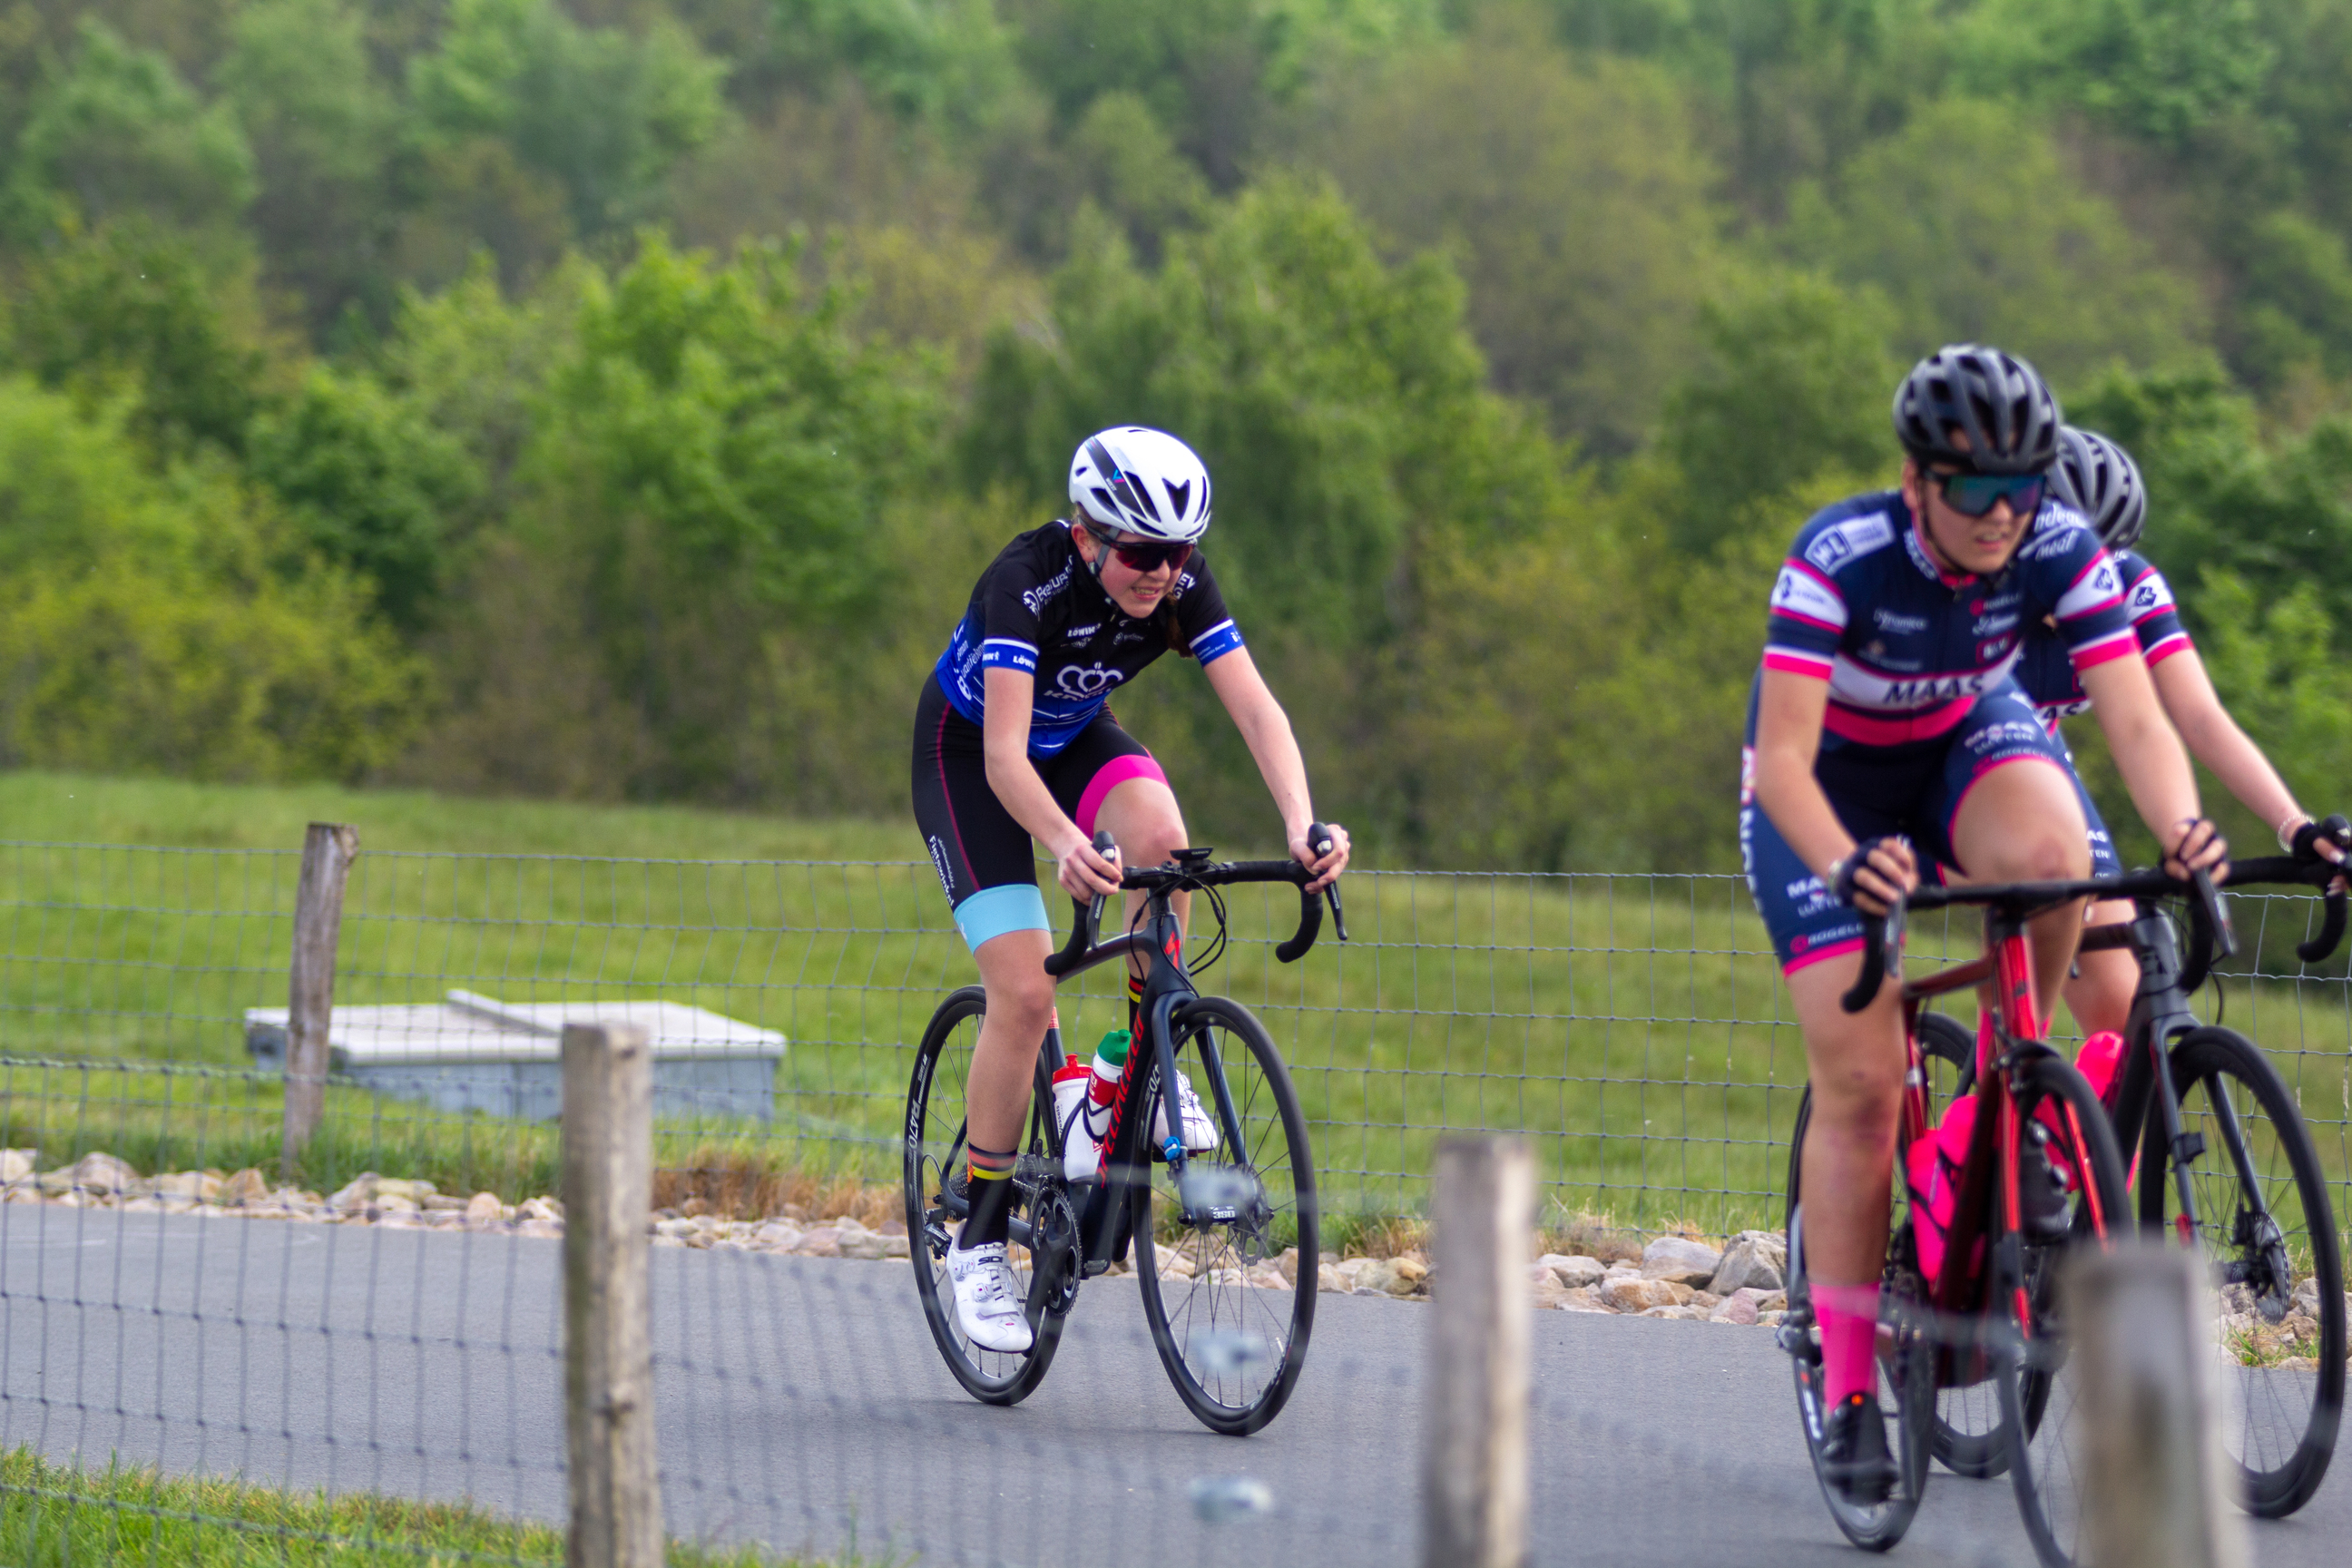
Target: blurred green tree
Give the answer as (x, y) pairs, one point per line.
(133, 313)
(372, 487)
(1571, 195)
(322, 129)
(1794, 381)
(164, 622)
(604, 114)
(115, 131)
(1972, 229)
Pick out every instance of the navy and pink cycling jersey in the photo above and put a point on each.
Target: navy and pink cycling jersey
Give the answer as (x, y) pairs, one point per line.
(2048, 675)
(1907, 648)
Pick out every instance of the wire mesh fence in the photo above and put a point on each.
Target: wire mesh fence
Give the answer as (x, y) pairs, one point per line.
(382, 1320)
(1633, 1026)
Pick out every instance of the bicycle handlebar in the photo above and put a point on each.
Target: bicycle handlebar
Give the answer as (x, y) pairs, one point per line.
(1179, 875)
(2208, 921)
(2288, 870)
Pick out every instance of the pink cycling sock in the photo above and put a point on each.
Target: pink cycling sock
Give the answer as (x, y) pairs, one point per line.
(1849, 1317)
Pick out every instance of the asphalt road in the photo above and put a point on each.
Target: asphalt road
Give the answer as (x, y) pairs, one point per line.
(800, 1403)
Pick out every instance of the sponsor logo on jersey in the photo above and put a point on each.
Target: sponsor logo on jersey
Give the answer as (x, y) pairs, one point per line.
(940, 864)
(2100, 585)
(1086, 681)
(2007, 733)
(2149, 595)
(1746, 776)
(1995, 624)
(1936, 688)
(1842, 541)
(1897, 622)
(1801, 593)
(2055, 533)
(1036, 599)
(1080, 634)
(1988, 651)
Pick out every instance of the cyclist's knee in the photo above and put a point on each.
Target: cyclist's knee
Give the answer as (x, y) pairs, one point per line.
(2031, 853)
(1153, 838)
(1025, 995)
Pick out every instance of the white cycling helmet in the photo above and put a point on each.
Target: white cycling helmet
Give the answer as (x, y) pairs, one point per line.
(1141, 482)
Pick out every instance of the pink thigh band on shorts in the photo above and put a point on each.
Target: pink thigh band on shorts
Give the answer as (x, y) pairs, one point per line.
(1112, 774)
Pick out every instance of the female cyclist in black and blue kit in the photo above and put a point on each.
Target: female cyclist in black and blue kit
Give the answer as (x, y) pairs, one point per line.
(1015, 740)
(1885, 717)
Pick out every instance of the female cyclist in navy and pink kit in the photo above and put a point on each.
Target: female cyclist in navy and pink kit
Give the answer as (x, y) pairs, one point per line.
(1884, 719)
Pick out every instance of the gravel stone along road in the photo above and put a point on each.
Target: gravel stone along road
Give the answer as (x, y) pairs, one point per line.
(801, 1402)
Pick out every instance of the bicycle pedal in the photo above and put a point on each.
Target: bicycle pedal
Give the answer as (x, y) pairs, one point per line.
(2187, 1148)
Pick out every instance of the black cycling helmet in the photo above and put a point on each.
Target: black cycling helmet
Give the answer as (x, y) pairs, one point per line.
(2099, 480)
(1998, 401)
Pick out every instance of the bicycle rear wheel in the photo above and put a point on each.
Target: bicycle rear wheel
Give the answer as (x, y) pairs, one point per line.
(1965, 1432)
(1229, 1326)
(2036, 1380)
(935, 1180)
(2265, 1222)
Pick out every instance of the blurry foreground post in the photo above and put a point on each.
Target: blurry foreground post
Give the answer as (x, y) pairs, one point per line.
(1474, 1463)
(327, 850)
(608, 1392)
(2154, 1496)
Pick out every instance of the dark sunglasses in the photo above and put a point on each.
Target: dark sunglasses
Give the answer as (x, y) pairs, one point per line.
(1142, 557)
(1973, 495)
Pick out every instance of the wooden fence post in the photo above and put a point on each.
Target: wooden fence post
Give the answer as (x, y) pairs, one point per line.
(608, 1389)
(327, 850)
(1474, 1458)
(2155, 1493)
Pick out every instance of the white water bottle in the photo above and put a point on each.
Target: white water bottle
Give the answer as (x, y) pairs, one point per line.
(1084, 1099)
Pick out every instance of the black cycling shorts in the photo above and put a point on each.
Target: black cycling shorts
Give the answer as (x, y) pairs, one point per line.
(983, 856)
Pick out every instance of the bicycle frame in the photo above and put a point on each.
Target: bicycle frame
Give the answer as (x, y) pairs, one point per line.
(2010, 1029)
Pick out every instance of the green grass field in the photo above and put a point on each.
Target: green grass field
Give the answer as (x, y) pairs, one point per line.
(57, 1516)
(1633, 1026)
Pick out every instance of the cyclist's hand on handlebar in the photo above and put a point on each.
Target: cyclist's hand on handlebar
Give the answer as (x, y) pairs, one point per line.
(2328, 840)
(1327, 868)
(1878, 872)
(2197, 846)
(1085, 874)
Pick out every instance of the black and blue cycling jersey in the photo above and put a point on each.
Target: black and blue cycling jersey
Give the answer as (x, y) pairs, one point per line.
(2046, 671)
(1922, 702)
(1037, 609)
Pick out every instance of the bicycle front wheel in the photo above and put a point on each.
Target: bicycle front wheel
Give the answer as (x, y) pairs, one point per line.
(1230, 1321)
(2264, 1221)
(935, 1182)
(2037, 1380)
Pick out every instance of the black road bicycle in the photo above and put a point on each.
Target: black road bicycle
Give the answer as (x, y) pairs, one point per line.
(2225, 1163)
(1207, 1230)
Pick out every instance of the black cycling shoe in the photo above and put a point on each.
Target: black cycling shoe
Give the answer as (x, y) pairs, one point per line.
(2044, 1196)
(1853, 1454)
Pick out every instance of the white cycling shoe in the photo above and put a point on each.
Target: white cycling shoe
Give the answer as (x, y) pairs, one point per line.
(1200, 1126)
(988, 1302)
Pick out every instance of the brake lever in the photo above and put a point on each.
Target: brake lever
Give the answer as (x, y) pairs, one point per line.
(2217, 911)
(1882, 953)
(1107, 848)
(1318, 839)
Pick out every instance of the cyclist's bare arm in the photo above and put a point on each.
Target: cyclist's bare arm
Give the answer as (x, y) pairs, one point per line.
(1266, 728)
(2149, 754)
(1004, 742)
(1788, 739)
(2214, 739)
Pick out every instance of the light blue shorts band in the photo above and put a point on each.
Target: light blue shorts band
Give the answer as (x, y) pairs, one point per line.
(993, 911)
